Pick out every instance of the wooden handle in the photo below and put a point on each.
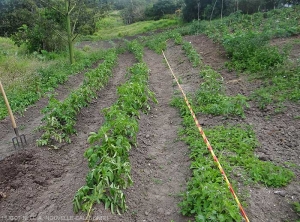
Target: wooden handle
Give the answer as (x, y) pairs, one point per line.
(8, 107)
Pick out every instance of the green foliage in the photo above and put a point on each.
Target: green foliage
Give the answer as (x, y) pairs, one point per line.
(41, 25)
(245, 39)
(119, 30)
(281, 83)
(137, 49)
(267, 173)
(207, 9)
(211, 98)
(161, 8)
(108, 152)
(240, 142)
(207, 197)
(15, 13)
(60, 117)
(26, 79)
(248, 51)
(108, 22)
(191, 53)
(158, 41)
(297, 207)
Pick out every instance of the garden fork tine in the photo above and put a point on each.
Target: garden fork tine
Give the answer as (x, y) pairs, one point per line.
(19, 139)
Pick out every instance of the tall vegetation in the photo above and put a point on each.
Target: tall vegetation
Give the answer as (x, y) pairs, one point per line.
(27, 78)
(208, 9)
(46, 25)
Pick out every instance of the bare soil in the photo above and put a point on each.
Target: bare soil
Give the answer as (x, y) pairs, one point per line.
(40, 183)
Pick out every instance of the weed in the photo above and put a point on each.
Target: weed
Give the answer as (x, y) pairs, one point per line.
(297, 207)
(157, 181)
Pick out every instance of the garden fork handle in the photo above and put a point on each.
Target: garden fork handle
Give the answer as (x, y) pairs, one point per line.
(9, 110)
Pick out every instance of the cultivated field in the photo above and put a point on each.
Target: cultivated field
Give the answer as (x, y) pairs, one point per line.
(117, 132)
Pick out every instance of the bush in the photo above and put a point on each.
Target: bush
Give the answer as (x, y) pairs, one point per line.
(249, 51)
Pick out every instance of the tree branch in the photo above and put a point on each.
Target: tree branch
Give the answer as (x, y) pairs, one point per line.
(75, 37)
(51, 6)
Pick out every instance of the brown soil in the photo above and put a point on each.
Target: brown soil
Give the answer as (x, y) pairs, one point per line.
(278, 135)
(39, 183)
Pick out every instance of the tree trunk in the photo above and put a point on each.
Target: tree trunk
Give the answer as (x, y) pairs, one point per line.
(69, 32)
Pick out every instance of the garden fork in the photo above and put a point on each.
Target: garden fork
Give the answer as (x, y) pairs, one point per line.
(18, 140)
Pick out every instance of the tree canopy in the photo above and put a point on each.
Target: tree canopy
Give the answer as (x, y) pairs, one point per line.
(206, 9)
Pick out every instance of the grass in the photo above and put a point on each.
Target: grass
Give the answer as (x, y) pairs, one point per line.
(119, 30)
(17, 68)
(27, 78)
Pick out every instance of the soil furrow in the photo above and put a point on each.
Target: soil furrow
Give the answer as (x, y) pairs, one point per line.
(43, 182)
(32, 117)
(277, 133)
(160, 163)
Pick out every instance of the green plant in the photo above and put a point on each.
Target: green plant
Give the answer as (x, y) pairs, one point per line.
(246, 41)
(27, 80)
(111, 28)
(281, 83)
(206, 197)
(211, 98)
(297, 207)
(136, 49)
(249, 51)
(108, 157)
(60, 117)
(191, 53)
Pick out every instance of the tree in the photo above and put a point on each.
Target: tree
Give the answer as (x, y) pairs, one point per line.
(48, 24)
(133, 11)
(194, 9)
(163, 7)
(207, 9)
(15, 13)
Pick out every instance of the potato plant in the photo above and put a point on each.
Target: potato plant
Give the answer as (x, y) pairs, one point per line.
(60, 116)
(109, 147)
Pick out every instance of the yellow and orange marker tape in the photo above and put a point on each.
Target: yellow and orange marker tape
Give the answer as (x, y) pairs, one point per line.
(208, 145)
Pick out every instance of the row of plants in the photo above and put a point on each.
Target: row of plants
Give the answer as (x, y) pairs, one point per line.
(108, 154)
(246, 41)
(207, 197)
(60, 116)
(26, 92)
(210, 98)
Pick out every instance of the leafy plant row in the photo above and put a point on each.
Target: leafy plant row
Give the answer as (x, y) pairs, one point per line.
(159, 41)
(191, 53)
(211, 97)
(207, 197)
(246, 40)
(60, 116)
(109, 147)
(137, 49)
(46, 80)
